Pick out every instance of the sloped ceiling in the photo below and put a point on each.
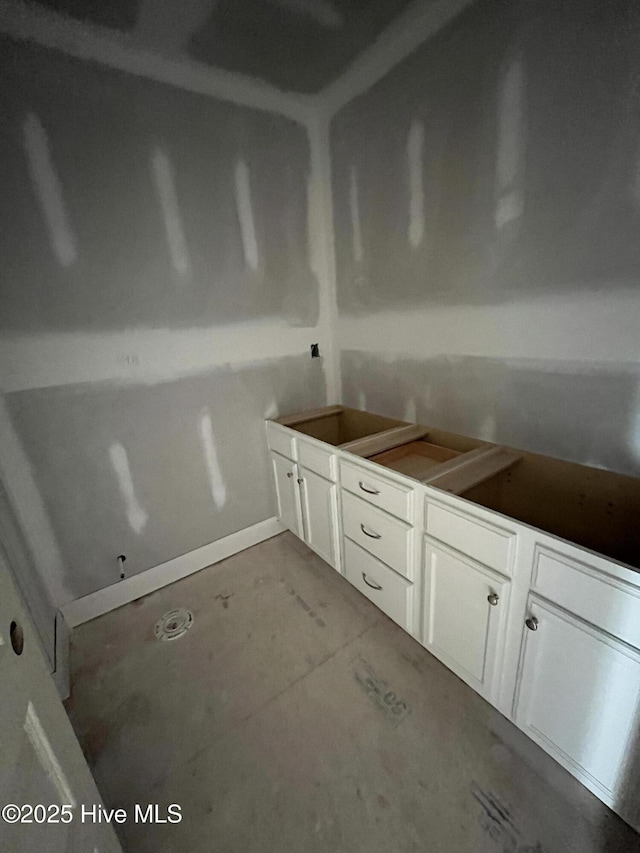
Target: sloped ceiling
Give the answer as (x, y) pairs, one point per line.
(296, 45)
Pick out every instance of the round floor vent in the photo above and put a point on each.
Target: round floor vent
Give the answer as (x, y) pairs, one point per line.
(174, 624)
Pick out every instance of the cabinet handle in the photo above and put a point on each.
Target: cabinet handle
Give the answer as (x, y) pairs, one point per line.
(493, 598)
(289, 474)
(531, 623)
(300, 480)
(372, 535)
(368, 491)
(368, 582)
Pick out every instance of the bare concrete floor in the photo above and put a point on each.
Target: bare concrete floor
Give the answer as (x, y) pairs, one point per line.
(295, 717)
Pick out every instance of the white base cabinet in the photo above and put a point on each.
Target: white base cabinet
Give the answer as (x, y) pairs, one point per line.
(307, 494)
(285, 474)
(319, 499)
(546, 631)
(465, 608)
(579, 697)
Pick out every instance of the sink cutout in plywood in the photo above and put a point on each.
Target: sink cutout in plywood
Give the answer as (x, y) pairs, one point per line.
(415, 459)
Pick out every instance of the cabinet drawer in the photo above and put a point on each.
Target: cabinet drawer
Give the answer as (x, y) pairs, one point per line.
(389, 496)
(385, 588)
(281, 440)
(316, 459)
(605, 601)
(471, 535)
(379, 533)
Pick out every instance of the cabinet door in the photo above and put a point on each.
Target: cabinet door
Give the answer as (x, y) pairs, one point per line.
(319, 507)
(285, 474)
(464, 616)
(579, 697)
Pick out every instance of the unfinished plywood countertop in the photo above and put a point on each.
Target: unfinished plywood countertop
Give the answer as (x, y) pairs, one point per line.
(597, 509)
(409, 449)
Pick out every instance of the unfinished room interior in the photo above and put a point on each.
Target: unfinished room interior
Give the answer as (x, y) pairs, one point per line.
(320, 426)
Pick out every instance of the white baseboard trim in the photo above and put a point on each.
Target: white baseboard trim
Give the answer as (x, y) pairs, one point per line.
(101, 602)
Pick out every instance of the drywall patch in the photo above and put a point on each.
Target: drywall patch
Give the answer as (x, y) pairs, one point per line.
(173, 624)
(315, 246)
(410, 412)
(354, 209)
(164, 181)
(136, 515)
(415, 155)
(218, 487)
(511, 142)
(245, 214)
(271, 411)
(49, 190)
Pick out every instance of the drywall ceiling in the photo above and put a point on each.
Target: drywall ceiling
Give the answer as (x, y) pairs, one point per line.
(296, 45)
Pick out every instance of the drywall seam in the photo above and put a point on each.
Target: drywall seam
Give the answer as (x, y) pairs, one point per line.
(321, 231)
(244, 208)
(216, 481)
(146, 356)
(109, 598)
(578, 326)
(421, 20)
(164, 182)
(31, 22)
(354, 217)
(48, 190)
(136, 515)
(22, 491)
(511, 144)
(415, 159)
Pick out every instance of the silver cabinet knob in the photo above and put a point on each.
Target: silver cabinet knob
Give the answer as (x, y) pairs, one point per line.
(531, 623)
(493, 598)
(289, 474)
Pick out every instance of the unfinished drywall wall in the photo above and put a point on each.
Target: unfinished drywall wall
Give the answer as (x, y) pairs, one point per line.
(486, 215)
(153, 471)
(519, 402)
(129, 203)
(158, 302)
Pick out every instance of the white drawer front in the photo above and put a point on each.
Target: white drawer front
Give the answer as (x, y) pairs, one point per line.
(603, 600)
(280, 440)
(385, 588)
(384, 536)
(389, 496)
(471, 535)
(316, 459)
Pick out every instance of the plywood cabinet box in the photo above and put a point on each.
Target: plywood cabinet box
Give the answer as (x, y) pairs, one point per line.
(519, 572)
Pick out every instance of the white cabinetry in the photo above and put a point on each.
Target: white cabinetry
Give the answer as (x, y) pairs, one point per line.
(285, 474)
(390, 592)
(546, 631)
(579, 696)
(319, 514)
(304, 476)
(578, 687)
(465, 608)
(379, 548)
